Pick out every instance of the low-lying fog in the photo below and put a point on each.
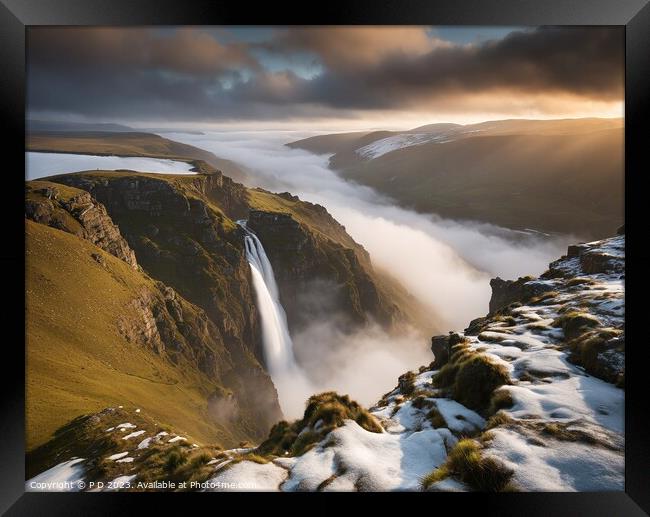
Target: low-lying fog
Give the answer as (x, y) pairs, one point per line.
(445, 264)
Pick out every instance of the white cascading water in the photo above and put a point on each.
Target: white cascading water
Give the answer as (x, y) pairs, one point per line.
(289, 379)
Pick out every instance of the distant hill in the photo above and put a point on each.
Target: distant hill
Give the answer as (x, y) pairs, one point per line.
(53, 125)
(563, 176)
(131, 143)
(327, 144)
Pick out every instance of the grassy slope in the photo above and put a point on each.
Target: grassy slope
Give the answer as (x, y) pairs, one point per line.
(303, 212)
(77, 360)
(557, 175)
(550, 182)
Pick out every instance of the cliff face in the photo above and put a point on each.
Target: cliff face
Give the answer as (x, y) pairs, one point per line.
(323, 274)
(75, 211)
(100, 332)
(183, 240)
(318, 277)
(186, 241)
(505, 292)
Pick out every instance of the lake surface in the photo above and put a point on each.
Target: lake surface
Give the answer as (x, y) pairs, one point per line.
(40, 165)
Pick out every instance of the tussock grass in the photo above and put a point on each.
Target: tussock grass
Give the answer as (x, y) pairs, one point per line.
(501, 399)
(580, 281)
(509, 321)
(544, 297)
(435, 417)
(471, 377)
(178, 463)
(587, 351)
(466, 462)
(174, 459)
(421, 402)
(501, 418)
(574, 323)
(406, 383)
(329, 410)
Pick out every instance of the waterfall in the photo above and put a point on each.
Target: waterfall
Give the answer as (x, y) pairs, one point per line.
(289, 379)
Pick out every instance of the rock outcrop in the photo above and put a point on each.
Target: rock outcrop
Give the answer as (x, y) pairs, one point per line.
(590, 259)
(505, 292)
(593, 328)
(76, 211)
(441, 347)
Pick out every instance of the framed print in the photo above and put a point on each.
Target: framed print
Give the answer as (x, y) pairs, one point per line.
(384, 248)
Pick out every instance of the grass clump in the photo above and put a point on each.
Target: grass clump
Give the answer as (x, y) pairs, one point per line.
(509, 321)
(304, 443)
(177, 463)
(575, 323)
(467, 463)
(472, 378)
(594, 349)
(421, 402)
(580, 281)
(435, 417)
(195, 468)
(251, 456)
(324, 412)
(501, 418)
(501, 399)
(477, 378)
(175, 459)
(544, 297)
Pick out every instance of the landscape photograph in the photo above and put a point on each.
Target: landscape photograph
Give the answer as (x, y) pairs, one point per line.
(324, 258)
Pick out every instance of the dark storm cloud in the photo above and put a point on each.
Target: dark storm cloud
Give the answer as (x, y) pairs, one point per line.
(185, 51)
(190, 74)
(581, 61)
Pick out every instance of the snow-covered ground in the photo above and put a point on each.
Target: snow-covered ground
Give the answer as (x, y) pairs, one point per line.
(563, 431)
(392, 143)
(547, 390)
(40, 165)
(64, 477)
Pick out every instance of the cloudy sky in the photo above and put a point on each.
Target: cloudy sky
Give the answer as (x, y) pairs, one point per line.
(324, 76)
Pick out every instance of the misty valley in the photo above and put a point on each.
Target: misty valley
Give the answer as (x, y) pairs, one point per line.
(325, 258)
(271, 328)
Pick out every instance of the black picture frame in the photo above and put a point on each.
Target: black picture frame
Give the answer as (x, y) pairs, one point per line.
(634, 15)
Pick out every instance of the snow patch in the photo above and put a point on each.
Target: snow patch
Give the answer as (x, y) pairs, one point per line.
(248, 476)
(118, 455)
(133, 435)
(63, 477)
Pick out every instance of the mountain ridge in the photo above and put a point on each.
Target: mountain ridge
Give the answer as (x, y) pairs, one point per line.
(555, 176)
